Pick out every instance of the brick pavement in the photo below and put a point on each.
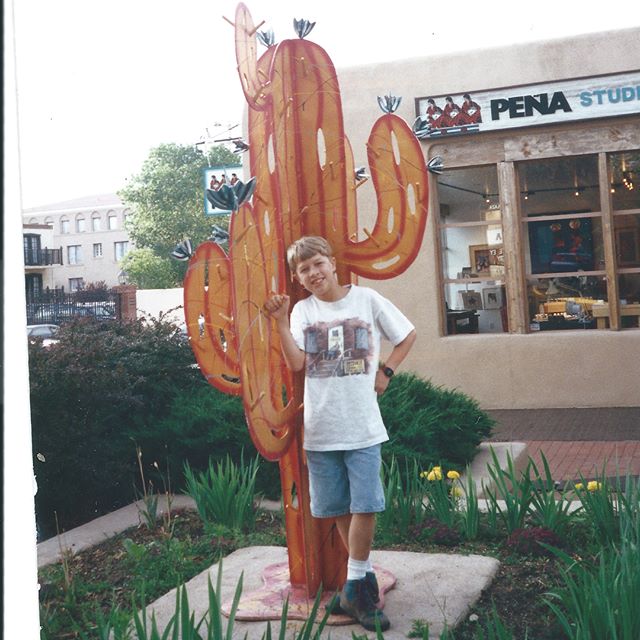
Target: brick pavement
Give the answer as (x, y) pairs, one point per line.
(575, 442)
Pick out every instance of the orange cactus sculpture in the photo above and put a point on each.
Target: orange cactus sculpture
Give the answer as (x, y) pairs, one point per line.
(304, 170)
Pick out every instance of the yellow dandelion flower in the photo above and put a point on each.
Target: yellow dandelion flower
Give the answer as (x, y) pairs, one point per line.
(593, 485)
(579, 486)
(453, 475)
(424, 474)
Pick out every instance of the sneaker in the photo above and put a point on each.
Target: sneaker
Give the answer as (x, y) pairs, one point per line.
(356, 600)
(333, 606)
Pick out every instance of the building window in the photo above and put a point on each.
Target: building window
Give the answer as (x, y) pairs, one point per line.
(624, 187)
(121, 249)
(76, 284)
(97, 250)
(472, 251)
(32, 250)
(64, 225)
(74, 254)
(80, 225)
(575, 236)
(96, 223)
(563, 241)
(33, 286)
(113, 222)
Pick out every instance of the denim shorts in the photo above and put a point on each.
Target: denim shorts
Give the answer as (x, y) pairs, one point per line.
(342, 482)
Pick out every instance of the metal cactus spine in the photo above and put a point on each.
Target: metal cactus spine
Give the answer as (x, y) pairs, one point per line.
(304, 170)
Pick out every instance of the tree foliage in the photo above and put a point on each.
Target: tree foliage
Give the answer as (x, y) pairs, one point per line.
(148, 270)
(167, 201)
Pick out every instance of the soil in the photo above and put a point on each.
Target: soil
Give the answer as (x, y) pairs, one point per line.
(516, 592)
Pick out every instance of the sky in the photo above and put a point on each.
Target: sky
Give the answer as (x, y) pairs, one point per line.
(91, 87)
(100, 84)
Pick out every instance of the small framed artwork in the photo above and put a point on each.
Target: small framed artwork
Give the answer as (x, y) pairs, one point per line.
(492, 298)
(465, 273)
(471, 300)
(480, 257)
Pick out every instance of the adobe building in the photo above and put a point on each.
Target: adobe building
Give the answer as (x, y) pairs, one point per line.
(526, 291)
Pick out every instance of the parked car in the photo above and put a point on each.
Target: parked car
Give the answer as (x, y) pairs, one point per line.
(46, 332)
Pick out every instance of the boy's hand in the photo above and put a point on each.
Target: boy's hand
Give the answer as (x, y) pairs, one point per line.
(277, 306)
(381, 383)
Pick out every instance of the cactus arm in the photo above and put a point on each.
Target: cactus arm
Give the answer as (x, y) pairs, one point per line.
(402, 196)
(217, 359)
(271, 421)
(253, 77)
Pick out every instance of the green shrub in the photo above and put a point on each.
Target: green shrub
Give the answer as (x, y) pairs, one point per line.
(203, 424)
(436, 426)
(91, 394)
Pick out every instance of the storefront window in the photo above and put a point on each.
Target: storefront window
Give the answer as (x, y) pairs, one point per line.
(624, 177)
(563, 241)
(472, 251)
(624, 180)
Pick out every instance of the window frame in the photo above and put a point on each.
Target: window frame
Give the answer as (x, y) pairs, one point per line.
(506, 149)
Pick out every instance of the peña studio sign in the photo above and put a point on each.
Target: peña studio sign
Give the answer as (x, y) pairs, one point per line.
(529, 105)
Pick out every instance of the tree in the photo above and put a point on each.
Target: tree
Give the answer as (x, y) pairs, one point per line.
(148, 270)
(167, 201)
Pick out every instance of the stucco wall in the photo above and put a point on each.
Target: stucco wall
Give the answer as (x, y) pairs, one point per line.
(153, 303)
(537, 370)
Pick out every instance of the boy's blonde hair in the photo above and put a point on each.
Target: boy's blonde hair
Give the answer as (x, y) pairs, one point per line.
(305, 248)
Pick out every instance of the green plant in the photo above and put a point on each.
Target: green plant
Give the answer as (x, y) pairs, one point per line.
(470, 509)
(547, 510)
(442, 495)
(600, 502)
(404, 499)
(511, 498)
(225, 493)
(202, 424)
(599, 599)
(431, 424)
(93, 391)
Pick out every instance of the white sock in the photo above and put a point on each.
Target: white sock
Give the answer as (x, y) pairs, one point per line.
(356, 569)
(369, 565)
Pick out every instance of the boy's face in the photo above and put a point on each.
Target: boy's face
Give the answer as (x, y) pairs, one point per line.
(318, 276)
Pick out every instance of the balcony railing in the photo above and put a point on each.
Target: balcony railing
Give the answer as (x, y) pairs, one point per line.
(42, 257)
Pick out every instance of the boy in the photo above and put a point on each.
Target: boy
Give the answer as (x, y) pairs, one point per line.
(335, 335)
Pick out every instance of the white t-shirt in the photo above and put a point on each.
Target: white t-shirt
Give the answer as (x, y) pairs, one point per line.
(341, 341)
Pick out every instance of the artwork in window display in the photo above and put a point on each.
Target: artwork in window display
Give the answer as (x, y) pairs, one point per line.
(563, 245)
(492, 298)
(466, 273)
(471, 300)
(487, 260)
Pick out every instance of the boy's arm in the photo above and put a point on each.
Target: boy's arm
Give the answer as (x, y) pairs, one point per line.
(396, 356)
(277, 306)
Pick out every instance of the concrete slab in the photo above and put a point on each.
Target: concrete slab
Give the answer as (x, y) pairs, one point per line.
(435, 588)
(503, 450)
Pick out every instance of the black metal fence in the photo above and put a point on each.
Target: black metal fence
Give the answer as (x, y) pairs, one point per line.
(55, 306)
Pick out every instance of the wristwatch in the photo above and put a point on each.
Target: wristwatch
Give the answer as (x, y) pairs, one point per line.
(388, 371)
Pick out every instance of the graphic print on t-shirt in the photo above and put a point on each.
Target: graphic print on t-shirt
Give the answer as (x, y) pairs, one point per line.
(339, 348)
